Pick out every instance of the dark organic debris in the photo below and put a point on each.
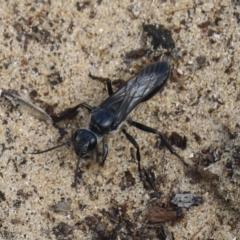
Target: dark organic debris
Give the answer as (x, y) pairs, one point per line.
(62, 206)
(155, 194)
(149, 180)
(33, 94)
(26, 33)
(63, 231)
(113, 223)
(2, 149)
(127, 181)
(19, 99)
(82, 5)
(160, 36)
(186, 200)
(199, 173)
(197, 138)
(232, 166)
(135, 54)
(157, 214)
(204, 25)
(178, 140)
(16, 221)
(2, 196)
(55, 78)
(201, 60)
(236, 157)
(207, 156)
(24, 195)
(116, 223)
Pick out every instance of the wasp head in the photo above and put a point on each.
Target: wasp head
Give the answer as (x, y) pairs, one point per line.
(84, 141)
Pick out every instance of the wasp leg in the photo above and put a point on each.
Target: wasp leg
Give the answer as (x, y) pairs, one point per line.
(104, 151)
(108, 82)
(70, 112)
(103, 80)
(135, 144)
(154, 131)
(148, 177)
(109, 87)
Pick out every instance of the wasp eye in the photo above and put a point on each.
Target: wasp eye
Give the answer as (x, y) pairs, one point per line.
(75, 136)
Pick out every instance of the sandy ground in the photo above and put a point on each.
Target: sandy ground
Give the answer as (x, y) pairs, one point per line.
(48, 49)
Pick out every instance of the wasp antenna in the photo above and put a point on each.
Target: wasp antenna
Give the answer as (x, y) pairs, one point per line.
(76, 170)
(50, 149)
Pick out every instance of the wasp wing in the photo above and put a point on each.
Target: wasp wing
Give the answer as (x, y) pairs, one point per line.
(140, 88)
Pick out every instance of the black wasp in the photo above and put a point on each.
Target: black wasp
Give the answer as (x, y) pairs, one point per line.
(112, 113)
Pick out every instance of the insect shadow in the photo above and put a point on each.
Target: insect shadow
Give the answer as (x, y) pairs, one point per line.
(112, 114)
